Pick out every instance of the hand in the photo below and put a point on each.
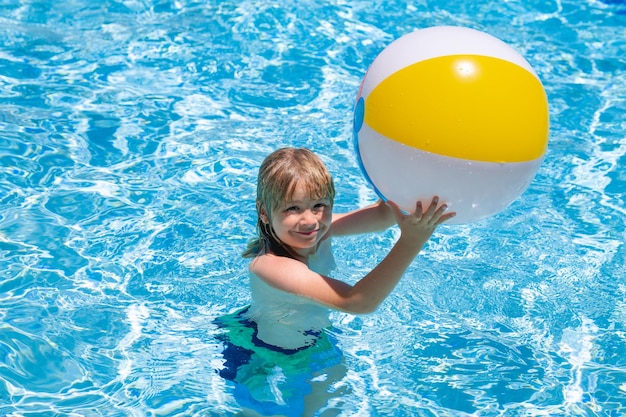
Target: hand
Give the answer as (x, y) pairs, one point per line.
(420, 225)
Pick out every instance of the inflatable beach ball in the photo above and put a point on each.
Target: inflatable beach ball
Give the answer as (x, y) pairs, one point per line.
(453, 112)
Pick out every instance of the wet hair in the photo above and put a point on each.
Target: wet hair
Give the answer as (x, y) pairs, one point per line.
(279, 174)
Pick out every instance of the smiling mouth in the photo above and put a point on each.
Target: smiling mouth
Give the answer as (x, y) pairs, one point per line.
(309, 233)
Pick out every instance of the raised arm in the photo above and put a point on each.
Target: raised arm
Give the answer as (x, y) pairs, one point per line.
(415, 230)
(373, 218)
(366, 295)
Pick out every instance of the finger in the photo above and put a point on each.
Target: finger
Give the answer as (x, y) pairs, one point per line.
(419, 210)
(441, 210)
(445, 217)
(432, 208)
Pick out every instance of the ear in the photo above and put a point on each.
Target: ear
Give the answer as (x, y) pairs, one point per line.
(262, 213)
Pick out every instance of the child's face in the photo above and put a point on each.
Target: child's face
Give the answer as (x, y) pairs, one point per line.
(303, 221)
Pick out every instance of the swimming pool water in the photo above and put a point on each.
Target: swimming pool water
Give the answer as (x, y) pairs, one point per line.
(130, 135)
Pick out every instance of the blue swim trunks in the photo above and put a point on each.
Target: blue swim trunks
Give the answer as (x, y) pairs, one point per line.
(269, 379)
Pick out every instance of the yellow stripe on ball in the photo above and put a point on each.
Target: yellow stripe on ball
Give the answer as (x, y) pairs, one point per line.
(471, 107)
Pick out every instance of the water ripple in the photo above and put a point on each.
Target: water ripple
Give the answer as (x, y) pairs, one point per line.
(131, 136)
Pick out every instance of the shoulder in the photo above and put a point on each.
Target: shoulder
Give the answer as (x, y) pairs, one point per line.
(265, 261)
(279, 271)
(295, 277)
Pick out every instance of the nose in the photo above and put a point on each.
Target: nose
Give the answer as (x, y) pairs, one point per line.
(309, 217)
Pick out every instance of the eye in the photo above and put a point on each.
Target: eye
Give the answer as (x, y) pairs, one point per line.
(292, 208)
(322, 205)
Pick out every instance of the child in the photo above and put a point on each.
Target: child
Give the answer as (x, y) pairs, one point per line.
(292, 258)
(292, 291)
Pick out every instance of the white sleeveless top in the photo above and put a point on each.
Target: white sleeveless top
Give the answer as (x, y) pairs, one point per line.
(284, 319)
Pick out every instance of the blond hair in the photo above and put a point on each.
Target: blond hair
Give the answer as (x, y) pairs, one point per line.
(279, 174)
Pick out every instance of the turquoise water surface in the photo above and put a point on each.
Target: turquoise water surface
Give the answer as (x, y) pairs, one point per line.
(130, 136)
